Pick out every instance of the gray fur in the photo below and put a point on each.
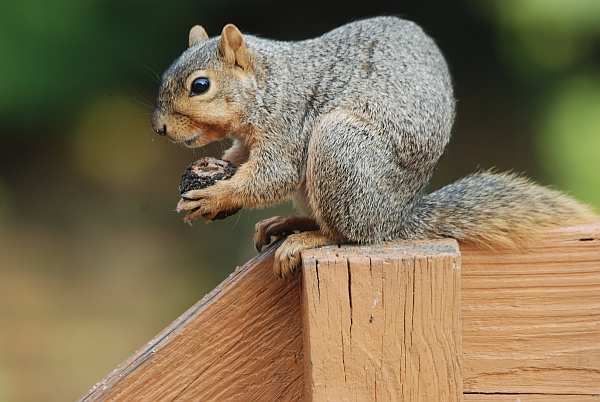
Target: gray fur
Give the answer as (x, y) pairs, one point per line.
(351, 126)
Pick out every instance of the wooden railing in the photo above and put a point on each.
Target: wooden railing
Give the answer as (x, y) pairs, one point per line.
(412, 321)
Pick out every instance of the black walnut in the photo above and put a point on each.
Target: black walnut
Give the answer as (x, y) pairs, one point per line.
(205, 172)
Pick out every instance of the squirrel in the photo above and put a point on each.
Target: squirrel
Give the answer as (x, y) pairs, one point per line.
(350, 126)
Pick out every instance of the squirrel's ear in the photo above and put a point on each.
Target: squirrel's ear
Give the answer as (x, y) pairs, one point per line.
(197, 35)
(233, 47)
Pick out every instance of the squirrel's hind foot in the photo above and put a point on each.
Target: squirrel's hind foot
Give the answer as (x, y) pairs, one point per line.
(287, 257)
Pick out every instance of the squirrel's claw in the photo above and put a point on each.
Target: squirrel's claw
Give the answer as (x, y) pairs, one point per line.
(193, 195)
(197, 213)
(188, 205)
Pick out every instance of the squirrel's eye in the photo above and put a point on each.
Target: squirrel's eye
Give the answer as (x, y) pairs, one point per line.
(200, 86)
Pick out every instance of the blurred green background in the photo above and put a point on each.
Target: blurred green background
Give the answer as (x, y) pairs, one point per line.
(93, 260)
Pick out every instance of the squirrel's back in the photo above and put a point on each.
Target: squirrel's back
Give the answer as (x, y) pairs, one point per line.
(385, 68)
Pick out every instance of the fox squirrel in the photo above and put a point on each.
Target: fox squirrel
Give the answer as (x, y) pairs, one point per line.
(351, 126)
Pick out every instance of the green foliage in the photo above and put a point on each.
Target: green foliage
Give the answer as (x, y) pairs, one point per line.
(58, 54)
(550, 47)
(539, 37)
(6, 207)
(569, 136)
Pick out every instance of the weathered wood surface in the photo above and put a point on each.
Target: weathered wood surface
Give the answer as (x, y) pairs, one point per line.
(531, 317)
(241, 342)
(382, 323)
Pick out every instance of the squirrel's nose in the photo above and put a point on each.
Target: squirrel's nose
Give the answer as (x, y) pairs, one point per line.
(158, 125)
(162, 130)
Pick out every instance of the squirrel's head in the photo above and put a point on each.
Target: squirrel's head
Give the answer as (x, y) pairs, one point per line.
(203, 94)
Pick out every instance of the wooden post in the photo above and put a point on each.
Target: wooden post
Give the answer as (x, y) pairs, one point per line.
(382, 323)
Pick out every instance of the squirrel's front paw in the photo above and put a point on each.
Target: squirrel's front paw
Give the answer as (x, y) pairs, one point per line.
(206, 203)
(196, 205)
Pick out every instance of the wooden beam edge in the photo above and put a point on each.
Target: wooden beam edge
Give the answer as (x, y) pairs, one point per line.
(154, 346)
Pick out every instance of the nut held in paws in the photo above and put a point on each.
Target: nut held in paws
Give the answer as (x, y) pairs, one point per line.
(205, 172)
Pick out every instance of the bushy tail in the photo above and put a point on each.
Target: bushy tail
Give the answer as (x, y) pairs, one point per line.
(496, 210)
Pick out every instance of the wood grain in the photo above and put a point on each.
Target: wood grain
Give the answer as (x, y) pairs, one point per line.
(531, 317)
(241, 342)
(382, 323)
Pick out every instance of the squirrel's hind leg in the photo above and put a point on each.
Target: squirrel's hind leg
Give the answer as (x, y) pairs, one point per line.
(280, 226)
(358, 189)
